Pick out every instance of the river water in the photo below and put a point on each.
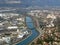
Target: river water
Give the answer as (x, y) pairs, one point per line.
(35, 33)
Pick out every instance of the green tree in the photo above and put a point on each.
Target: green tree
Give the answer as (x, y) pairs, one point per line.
(39, 41)
(32, 43)
(58, 23)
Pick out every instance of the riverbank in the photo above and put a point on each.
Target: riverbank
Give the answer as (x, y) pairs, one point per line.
(23, 38)
(38, 29)
(40, 33)
(35, 33)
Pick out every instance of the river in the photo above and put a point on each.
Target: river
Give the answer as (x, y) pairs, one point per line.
(35, 33)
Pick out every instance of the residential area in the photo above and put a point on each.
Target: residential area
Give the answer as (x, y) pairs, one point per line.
(12, 28)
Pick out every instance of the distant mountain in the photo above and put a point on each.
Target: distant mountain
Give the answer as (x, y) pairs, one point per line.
(29, 3)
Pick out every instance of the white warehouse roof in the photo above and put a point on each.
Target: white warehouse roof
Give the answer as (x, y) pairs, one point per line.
(12, 27)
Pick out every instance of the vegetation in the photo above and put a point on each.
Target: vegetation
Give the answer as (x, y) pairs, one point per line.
(32, 43)
(58, 23)
(39, 41)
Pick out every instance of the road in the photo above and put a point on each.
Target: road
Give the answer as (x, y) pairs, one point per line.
(36, 24)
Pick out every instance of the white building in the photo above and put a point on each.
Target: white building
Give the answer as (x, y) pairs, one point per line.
(52, 16)
(1, 15)
(6, 39)
(12, 27)
(1, 24)
(20, 19)
(20, 35)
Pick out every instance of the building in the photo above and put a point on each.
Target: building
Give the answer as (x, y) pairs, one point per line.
(12, 27)
(51, 18)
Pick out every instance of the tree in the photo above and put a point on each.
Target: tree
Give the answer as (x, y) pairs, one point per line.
(39, 41)
(58, 23)
(32, 43)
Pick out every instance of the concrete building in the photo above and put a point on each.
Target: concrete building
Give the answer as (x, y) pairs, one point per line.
(12, 27)
(50, 23)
